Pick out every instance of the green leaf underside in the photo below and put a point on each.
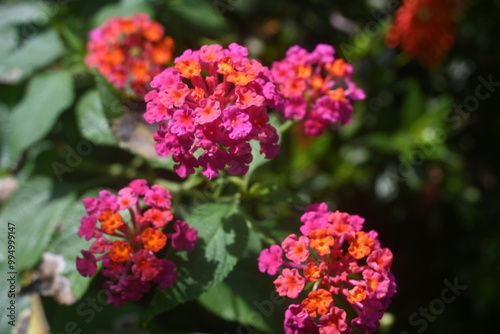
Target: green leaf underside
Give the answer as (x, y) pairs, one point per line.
(222, 239)
(67, 243)
(203, 14)
(47, 96)
(35, 217)
(21, 13)
(92, 122)
(111, 98)
(17, 64)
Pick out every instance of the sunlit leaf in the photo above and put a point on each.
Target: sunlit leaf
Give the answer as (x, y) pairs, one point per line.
(222, 239)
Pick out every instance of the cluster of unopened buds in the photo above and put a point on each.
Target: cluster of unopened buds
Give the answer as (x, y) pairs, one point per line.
(215, 100)
(128, 236)
(340, 261)
(317, 88)
(129, 51)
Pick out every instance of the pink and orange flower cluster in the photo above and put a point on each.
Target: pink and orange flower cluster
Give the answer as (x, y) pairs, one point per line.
(425, 29)
(128, 235)
(129, 51)
(209, 107)
(215, 100)
(342, 262)
(317, 87)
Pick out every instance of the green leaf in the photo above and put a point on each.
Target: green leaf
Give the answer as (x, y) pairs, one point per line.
(20, 13)
(246, 297)
(8, 39)
(37, 52)
(125, 8)
(35, 216)
(275, 193)
(112, 98)
(92, 123)
(47, 96)
(222, 239)
(67, 243)
(4, 116)
(413, 105)
(202, 14)
(381, 142)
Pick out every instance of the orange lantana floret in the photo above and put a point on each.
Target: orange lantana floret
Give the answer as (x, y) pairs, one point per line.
(312, 272)
(197, 94)
(188, 69)
(163, 52)
(303, 71)
(372, 283)
(338, 67)
(127, 25)
(225, 66)
(154, 32)
(105, 214)
(300, 250)
(115, 57)
(121, 251)
(239, 78)
(140, 70)
(356, 294)
(318, 301)
(316, 83)
(112, 220)
(321, 241)
(361, 246)
(154, 239)
(337, 94)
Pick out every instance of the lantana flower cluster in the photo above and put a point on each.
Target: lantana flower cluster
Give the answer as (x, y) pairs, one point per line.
(317, 87)
(339, 261)
(215, 100)
(129, 51)
(128, 236)
(424, 29)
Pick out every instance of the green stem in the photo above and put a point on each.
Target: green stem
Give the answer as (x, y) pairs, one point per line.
(285, 126)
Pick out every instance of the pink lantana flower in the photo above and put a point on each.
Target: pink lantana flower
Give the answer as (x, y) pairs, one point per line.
(341, 261)
(87, 265)
(289, 283)
(317, 88)
(127, 248)
(270, 259)
(129, 51)
(214, 100)
(184, 237)
(295, 249)
(87, 227)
